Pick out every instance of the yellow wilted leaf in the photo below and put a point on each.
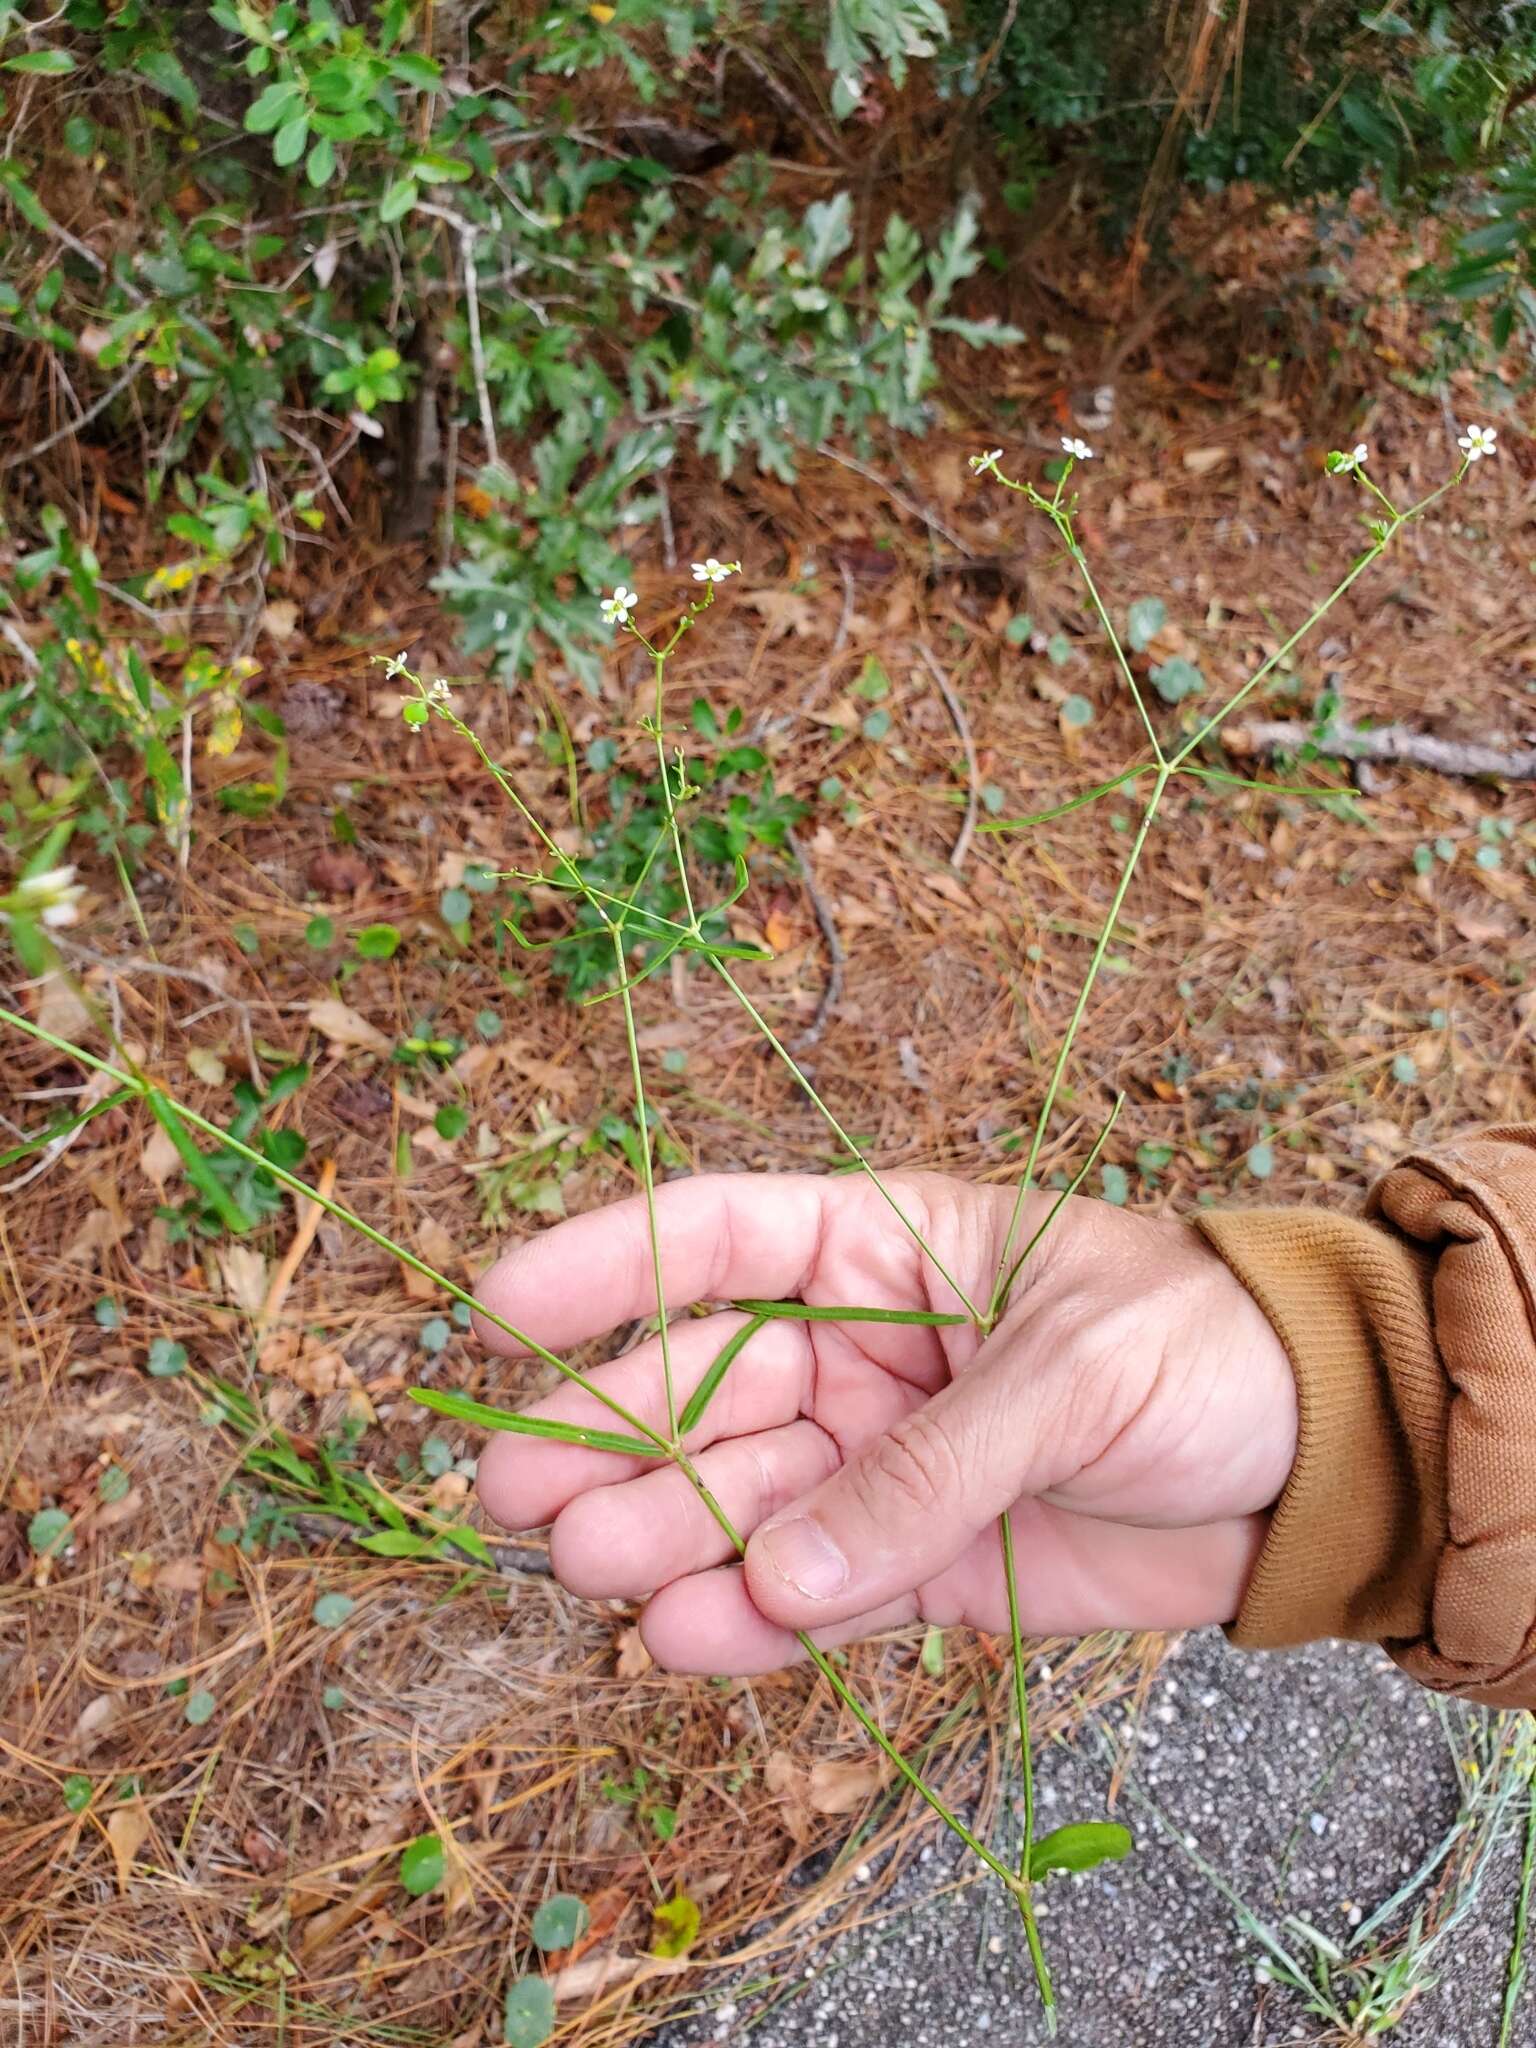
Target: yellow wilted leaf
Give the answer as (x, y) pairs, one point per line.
(228, 724)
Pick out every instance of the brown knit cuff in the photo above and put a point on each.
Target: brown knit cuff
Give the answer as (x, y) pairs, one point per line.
(1355, 1535)
(1474, 1203)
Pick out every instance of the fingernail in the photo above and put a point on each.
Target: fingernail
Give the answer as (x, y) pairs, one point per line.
(803, 1554)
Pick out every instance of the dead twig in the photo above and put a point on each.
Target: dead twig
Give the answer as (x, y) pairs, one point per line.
(956, 710)
(827, 925)
(1388, 743)
(918, 510)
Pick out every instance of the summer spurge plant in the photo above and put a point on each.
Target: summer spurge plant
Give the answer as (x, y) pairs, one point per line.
(641, 940)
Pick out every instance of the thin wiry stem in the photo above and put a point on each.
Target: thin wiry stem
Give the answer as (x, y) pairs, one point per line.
(342, 1214)
(1023, 1892)
(890, 1200)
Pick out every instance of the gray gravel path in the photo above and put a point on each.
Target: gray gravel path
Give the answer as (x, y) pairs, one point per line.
(1313, 1782)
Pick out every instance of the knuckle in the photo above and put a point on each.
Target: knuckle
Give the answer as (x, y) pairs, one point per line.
(912, 1467)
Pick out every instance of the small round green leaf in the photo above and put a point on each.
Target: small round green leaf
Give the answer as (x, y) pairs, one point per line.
(332, 1609)
(1077, 711)
(333, 1699)
(1405, 1069)
(560, 1921)
(48, 1531)
(114, 1484)
(377, 942)
(1116, 1184)
(199, 1708)
(107, 1313)
(528, 2019)
(76, 1792)
(1261, 1161)
(454, 905)
(167, 1358)
(319, 933)
(451, 1121)
(435, 1334)
(421, 1865)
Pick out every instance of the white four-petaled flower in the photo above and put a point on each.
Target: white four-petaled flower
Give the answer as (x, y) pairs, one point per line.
(1078, 450)
(440, 692)
(980, 462)
(616, 609)
(713, 571)
(1477, 442)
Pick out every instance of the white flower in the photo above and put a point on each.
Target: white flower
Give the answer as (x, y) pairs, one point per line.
(1340, 463)
(981, 462)
(1078, 450)
(1360, 453)
(616, 609)
(54, 896)
(713, 571)
(440, 693)
(1477, 442)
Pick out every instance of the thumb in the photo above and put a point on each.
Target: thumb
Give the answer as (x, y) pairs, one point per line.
(901, 1511)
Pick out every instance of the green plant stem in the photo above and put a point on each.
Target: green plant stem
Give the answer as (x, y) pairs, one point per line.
(648, 1186)
(342, 1214)
(855, 1705)
(1063, 524)
(1024, 1893)
(804, 1084)
(1007, 1272)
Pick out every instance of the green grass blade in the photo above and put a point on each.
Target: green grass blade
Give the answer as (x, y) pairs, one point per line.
(460, 1408)
(62, 1126)
(1077, 803)
(807, 1312)
(707, 1388)
(196, 1166)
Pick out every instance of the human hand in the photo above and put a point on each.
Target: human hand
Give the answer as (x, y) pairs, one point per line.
(1133, 1411)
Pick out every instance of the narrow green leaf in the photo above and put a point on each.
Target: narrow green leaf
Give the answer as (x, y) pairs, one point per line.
(462, 1409)
(397, 1543)
(808, 1312)
(64, 1125)
(707, 1388)
(41, 63)
(197, 1168)
(1079, 1846)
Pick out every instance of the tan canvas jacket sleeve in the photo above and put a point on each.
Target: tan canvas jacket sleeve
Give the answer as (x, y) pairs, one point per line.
(1410, 1515)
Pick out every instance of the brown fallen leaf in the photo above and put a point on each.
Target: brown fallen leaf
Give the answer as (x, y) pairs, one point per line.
(244, 1273)
(788, 1780)
(338, 871)
(159, 1160)
(127, 1832)
(280, 618)
(634, 1659)
(844, 1787)
(344, 1026)
(179, 1575)
(436, 1245)
(97, 1721)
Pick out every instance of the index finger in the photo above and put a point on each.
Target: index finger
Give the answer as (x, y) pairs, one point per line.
(718, 1236)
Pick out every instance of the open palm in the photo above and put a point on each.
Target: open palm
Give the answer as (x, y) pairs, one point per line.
(1133, 1412)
